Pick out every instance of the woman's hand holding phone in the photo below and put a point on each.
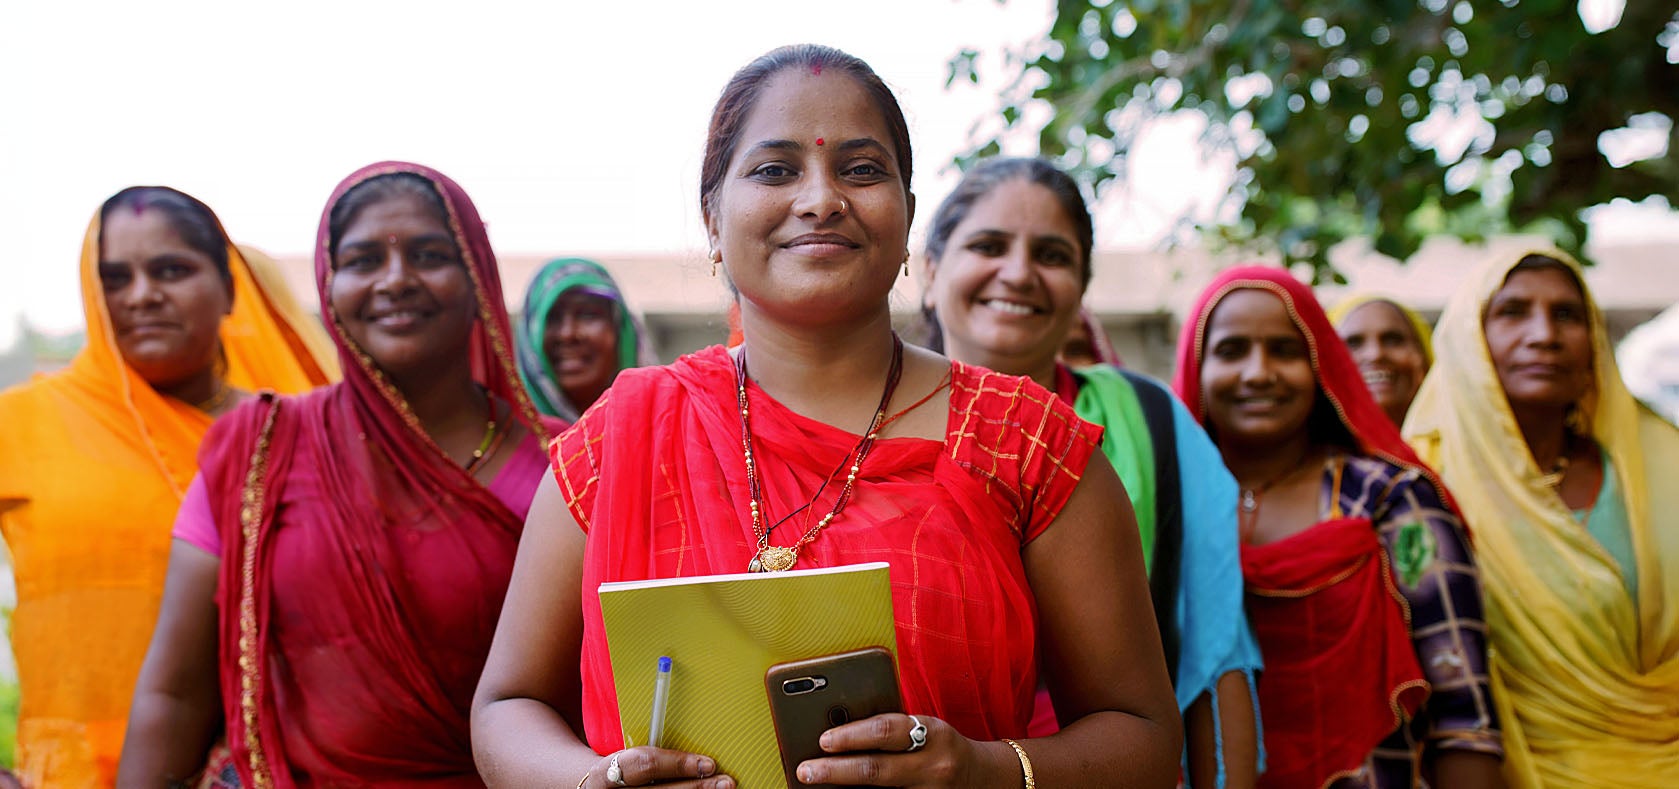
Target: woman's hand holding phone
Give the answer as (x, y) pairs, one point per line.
(876, 752)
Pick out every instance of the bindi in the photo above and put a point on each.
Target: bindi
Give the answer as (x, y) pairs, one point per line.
(391, 239)
(818, 140)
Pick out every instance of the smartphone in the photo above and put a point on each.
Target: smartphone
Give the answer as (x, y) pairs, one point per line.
(808, 697)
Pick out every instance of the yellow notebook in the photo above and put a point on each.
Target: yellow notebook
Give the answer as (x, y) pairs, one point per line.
(722, 633)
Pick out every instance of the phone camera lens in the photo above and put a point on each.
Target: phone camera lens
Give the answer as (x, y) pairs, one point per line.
(795, 687)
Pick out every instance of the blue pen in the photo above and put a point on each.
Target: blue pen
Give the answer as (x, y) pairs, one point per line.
(661, 697)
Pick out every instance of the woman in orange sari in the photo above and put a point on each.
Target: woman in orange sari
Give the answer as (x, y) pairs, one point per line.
(1361, 587)
(94, 459)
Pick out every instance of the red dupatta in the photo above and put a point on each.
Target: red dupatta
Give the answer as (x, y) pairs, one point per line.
(654, 472)
(1341, 671)
(351, 639)
(1337, 373)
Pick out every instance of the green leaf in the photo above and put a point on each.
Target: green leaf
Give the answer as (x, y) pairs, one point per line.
(1309, 183)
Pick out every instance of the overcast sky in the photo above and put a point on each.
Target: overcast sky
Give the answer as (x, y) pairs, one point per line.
(575, 126)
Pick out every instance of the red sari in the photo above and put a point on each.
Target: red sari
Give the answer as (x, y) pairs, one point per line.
(1341, 670)
(655, 473)
(362, 570)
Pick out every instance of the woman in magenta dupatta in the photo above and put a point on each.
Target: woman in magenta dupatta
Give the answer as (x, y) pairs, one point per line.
(364, 548)
(1369, 618)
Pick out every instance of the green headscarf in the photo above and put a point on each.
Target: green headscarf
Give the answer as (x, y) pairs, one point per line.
(555, 279)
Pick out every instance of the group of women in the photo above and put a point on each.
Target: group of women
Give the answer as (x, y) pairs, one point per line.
(384, 559)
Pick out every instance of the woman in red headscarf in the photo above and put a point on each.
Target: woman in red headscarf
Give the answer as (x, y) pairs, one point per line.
(1360, 584)
(340, 561)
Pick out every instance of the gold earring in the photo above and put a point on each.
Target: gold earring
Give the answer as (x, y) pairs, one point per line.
(906, 261)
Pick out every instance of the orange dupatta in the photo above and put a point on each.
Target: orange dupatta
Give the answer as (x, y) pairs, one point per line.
(93, 464)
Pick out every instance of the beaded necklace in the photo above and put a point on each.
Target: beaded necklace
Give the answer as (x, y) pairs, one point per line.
(775, 558)
(485, 450)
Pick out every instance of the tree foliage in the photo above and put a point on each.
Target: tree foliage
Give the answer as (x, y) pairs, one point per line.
(1388, 119)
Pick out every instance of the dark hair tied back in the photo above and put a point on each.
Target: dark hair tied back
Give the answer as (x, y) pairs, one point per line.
(741, 94)
(981, 179)
(191, 219)
(1541, 262)
(378, 189)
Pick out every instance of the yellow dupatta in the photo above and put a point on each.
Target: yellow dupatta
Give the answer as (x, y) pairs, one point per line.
(1419, 326)
(1585, 680)
(93, 465)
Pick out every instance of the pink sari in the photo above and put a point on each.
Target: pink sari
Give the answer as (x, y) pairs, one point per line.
(362, 570)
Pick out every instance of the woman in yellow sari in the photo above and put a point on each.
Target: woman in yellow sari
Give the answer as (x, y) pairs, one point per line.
(94, 459)
(1559, 473)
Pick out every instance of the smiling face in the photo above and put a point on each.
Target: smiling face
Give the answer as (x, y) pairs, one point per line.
(1385, 345)
(1008, 286)
(811, 232)
(581, 343)
(1256, 375)
(165, 298)
(401, 290)
(1538, 333)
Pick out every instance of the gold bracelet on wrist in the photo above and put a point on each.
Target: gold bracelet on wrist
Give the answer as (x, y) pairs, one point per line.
(1025, 763)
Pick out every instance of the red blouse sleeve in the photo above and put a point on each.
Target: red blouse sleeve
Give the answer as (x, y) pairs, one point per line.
(576, 457)
(1028, 444)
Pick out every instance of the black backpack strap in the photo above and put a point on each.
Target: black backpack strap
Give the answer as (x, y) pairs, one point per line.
(1167, 563)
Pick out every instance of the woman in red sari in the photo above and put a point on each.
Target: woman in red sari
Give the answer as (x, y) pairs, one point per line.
(339, 563)
(1360, 583)
(984, 492)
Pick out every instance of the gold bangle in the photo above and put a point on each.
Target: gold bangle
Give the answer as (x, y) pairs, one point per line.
(1025, 763)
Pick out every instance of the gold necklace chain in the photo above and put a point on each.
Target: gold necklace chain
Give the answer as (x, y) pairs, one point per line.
(479, 454)
(775, 558)
(217, 399)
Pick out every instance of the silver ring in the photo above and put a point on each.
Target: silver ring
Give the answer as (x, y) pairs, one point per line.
(614, 773)
(917, 735)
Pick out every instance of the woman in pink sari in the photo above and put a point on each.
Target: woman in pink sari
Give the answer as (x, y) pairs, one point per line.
(340, 561)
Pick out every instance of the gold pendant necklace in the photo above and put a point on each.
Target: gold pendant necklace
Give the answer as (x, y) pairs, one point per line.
(775, 558)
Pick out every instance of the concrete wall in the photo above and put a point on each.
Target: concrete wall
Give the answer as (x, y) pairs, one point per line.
(1139, 296)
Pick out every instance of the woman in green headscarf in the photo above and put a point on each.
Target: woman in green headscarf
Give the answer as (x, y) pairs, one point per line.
(574, 335)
